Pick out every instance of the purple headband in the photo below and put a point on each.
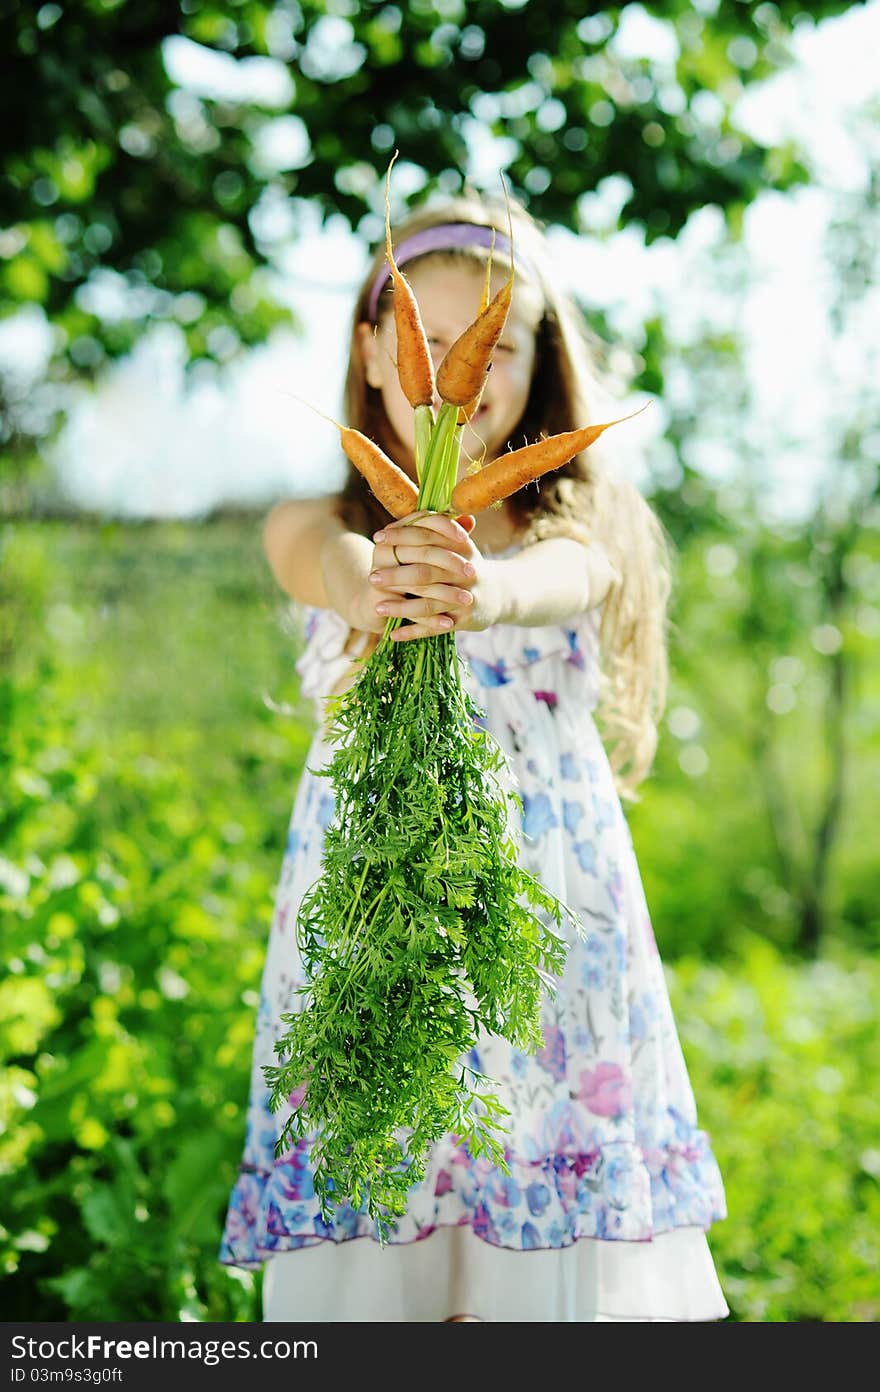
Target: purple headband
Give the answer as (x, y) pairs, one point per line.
(441, 238)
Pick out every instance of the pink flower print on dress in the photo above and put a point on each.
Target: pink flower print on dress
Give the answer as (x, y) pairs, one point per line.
(237, 1227)
(443, 1185)
(296, 1097)
(550, 699)
(552, 1056)
(483, 1226)
(606, 1090)
(614, 885)
(295, 1177)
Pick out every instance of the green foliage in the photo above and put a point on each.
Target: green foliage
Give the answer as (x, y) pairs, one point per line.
(784, 1058)
(743, 762)
(143, 825)
(144, 797)
(415, 937)
(107, 164)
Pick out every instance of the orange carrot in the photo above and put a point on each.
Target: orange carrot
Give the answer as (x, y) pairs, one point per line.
(415, 366)
(394, 489)
(462, 374)
(465, 412)
(513, 471)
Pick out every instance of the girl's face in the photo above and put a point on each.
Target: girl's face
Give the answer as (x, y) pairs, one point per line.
(449, 297)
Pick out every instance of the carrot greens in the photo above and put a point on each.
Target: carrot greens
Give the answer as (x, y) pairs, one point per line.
(414, 937)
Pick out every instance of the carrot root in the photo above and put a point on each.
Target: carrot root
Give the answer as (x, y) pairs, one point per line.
(511, 472)
(415, 366)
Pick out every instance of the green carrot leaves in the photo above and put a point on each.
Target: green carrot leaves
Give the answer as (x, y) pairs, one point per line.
(421, 930)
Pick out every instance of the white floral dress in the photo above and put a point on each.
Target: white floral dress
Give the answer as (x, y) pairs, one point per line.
(612, 1184)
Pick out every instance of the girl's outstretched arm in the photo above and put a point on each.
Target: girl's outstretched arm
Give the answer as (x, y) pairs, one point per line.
(293, 535)
(317, 561)
(548, 582)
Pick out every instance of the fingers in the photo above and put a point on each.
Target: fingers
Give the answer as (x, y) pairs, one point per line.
(428, 581)
(420, 630)
(438, 600)
(433, 567)
(426, 528)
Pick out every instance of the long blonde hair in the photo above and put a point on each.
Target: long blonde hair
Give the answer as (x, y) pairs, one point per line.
(584, 499)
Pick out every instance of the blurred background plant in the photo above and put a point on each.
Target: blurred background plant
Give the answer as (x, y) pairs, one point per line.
(193, 176)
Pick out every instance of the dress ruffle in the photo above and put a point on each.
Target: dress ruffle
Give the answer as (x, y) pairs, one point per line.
(616, 1192)
(454, 1272)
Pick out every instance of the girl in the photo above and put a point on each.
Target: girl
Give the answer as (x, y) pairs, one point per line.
(558, 602)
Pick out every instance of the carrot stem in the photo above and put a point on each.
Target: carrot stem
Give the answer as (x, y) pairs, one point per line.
(433, 491)
(424, 424)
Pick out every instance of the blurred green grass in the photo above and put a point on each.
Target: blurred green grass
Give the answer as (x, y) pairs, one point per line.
(147, 785)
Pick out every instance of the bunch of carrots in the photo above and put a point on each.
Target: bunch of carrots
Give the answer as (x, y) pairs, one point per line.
(460, 380)
(422, 930)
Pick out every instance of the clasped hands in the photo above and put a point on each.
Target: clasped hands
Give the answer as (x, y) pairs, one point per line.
(439, 580)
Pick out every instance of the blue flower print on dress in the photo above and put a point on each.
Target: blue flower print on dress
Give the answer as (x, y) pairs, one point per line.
(552, 1056)
(490, 673)
(538, 815)
(568, 767)
(572, 812)
(603, 812)
(537, 1198)
(556, 1235)
(295, 1176)
(345, 1220)
(531, 654)
(575, 654)
(483, 1225)
(615, 887)
(506, 1191)
(586, 854)
(519, 1063)
(637, 1022)
(531, 1238)
(326, 808)
(594, 972)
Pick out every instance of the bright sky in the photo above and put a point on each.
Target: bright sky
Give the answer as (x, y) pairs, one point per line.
(139, 446)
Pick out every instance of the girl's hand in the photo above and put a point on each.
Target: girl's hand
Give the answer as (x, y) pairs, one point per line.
(438, 580)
